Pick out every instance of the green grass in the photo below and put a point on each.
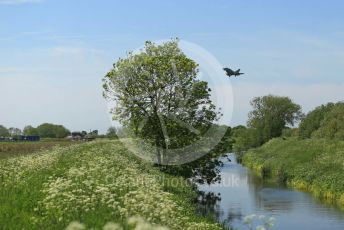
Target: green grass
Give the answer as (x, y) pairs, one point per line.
(10, 149)
(315, 165)
(93, 183)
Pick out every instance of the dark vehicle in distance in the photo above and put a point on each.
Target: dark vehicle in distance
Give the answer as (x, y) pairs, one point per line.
(21, 138)
(80, 136)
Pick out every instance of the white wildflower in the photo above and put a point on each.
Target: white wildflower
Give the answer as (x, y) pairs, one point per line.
(112, 226)
(75, 226)
(261, 217)
(260, 227)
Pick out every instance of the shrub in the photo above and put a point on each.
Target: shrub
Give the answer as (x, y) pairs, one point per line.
(332, 126)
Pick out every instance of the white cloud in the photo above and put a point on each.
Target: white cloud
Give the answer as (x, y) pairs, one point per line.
(16, 2)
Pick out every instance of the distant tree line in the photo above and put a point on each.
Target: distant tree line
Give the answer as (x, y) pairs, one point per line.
(47, 130)
(274, 116)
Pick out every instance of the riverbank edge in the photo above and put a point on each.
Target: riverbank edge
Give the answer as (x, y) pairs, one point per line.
(275, 173)
(327, 196)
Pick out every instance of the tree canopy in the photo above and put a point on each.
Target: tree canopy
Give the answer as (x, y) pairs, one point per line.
(244, 138)
(160, 100)
(111, 132)
(313, 120)
(158, 96)
(4, 131)
(271, 114)
(14, 131)
(332, 124)
(48, 130)
(30, 131)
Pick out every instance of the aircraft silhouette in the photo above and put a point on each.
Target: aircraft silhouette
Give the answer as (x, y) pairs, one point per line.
(230, 72)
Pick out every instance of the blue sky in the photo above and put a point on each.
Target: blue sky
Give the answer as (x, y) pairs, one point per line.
(55, 52)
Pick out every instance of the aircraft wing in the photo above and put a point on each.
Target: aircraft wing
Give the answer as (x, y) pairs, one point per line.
(228, 70)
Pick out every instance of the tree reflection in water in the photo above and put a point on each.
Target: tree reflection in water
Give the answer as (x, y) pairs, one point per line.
(208, 204)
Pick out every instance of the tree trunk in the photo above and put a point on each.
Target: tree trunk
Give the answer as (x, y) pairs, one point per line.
(158, 154)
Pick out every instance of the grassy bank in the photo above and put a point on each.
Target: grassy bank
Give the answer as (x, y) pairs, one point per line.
(96, 184)
(313, 165)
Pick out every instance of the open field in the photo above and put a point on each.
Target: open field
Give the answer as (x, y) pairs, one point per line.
(97, 183)
(315, 165)
(9, 149)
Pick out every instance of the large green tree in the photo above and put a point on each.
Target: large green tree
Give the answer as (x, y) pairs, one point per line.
(160, 100)
(159, 97)
(47, 130)
(271, 114)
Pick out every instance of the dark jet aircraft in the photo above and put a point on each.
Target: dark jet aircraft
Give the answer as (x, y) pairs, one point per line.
(230, 72)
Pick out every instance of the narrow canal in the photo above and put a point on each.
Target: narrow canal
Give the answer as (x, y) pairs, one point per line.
(242, 193)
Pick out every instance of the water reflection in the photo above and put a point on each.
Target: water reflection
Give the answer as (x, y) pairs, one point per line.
(242, 193)
(208, 204)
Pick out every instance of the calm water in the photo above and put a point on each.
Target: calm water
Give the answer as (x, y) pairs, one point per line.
(242, 193)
